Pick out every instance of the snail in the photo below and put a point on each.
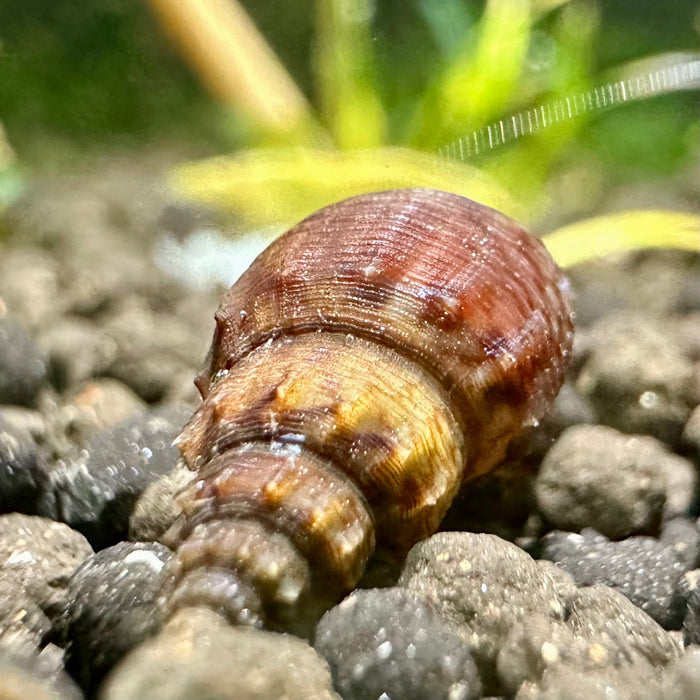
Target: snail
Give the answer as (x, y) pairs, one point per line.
(374, 358)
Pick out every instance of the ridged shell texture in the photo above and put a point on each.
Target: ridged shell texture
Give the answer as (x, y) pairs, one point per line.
(373, 358)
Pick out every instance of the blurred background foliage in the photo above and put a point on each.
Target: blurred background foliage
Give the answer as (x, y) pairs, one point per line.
(382, 85)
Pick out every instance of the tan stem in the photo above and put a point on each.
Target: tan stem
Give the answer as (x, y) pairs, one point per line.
(224, 47)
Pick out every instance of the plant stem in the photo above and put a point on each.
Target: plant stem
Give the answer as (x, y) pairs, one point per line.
(233, 60)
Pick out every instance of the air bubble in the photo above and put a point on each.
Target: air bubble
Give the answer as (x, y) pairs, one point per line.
(384, 650)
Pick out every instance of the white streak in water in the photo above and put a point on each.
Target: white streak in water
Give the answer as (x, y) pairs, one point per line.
(684, 74)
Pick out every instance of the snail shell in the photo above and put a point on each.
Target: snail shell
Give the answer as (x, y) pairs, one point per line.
(376, 356)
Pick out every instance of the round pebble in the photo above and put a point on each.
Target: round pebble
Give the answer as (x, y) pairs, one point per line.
(22, 366)
(617, 484)
(603, 615)
(392, 643)
(690, 438)
(645, 570)
(690, 584)
(481, 585)
(105, 402)
(111, 607)
(681, 679)
(637, 378)
(152, 349)
(198, 655)
(23, 676)
(43, 554)
(683, 537)
(533, 645)
(96, 406)
(23, 623)
(635, 681)
(29, 284)
(96, 490)
(19, 470)
(76, 351)
(545, 658)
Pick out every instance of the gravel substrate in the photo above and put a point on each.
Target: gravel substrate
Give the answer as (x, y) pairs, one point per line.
(571, 571)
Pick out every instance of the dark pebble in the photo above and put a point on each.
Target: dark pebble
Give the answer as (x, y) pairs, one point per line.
(111, 607)
(481, 586)
(391, 643)
(22, 367)
(95, 492)
(20, 464)
(199, 655)
(690, 586)
(645, 570)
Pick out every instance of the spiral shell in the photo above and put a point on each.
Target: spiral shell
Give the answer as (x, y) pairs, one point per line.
(373, 358)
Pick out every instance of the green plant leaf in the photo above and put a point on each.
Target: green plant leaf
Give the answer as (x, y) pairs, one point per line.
(281, 186)
(479, 80)
(629, 230)
(573, 33)
(345, 74)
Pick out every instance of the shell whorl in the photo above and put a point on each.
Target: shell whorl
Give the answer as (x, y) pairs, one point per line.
(388, 347)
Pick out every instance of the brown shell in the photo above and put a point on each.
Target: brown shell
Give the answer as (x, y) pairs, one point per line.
(457, 287)
(382, 351)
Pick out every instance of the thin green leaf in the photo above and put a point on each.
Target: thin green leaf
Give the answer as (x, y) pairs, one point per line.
(629, 230)
(574, 33)
(479, 80)
(345, 73)
(283, 185)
